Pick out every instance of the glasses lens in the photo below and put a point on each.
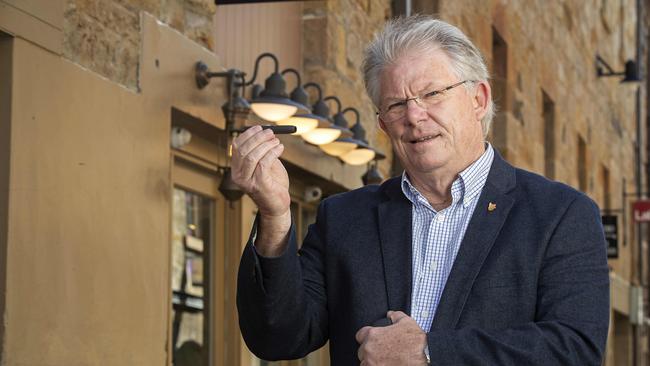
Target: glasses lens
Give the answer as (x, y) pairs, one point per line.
(393, 114)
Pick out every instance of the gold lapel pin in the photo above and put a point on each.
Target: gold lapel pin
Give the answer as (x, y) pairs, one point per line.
(492, 206)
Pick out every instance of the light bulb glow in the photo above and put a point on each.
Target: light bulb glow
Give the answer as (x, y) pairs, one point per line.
(303, 124)
(273, 111)
(358, 156)
(338, 148)
(321, 136)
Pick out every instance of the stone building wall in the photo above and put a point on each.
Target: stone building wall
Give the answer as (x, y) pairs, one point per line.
(335, 33)
(104, 36)
(552, 48)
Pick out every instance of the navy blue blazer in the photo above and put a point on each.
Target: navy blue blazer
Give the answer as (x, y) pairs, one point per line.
(529, 286)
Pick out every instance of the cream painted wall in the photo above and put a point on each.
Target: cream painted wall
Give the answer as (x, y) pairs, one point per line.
(40, 21)
(88, 218)
(87, 256)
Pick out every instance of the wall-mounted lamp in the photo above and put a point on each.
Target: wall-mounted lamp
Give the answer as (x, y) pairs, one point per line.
(325, 132)
(339, 120)
(304, 122)
(272, 103)
(361, 153)
(227, 187)
(342, 145)
(372, 176)
(630, 74)
(236, 109)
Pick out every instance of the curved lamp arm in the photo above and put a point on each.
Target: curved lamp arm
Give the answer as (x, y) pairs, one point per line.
(352, 109)
(337, 100)
(317, 87)
(295, 72)
(257, 64)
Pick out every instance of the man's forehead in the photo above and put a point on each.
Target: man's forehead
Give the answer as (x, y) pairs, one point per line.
(415, 73)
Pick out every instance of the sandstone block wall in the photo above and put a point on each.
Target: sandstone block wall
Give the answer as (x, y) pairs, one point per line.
(104, 36)
(335, 34)
(551, 49)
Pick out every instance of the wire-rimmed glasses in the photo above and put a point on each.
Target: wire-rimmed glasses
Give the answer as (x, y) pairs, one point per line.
(397, 110)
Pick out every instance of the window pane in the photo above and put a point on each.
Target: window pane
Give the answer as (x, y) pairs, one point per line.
(192, 223)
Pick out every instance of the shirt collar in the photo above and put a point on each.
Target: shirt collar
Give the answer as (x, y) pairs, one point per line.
(469, 183)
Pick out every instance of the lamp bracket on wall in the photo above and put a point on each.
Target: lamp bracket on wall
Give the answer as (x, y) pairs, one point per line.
(202, 75)
(630, 74)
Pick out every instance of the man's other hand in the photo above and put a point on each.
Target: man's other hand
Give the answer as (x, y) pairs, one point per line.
(401, 343)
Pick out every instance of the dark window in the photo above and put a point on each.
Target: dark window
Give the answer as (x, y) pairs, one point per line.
(548, 114)
(607, 194)
(500, 91)
(582, 164)
(417, 7)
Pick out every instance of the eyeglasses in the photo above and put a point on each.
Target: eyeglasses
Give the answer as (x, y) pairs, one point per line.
(397, 110)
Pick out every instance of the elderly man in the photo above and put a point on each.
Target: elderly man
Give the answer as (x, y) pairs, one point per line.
(473, 261)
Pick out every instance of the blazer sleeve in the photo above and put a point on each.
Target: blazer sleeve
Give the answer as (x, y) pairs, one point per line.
(572, 309)
(282, 300)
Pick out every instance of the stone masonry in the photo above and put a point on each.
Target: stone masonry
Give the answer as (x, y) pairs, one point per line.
(104, 36)
(334, 36)
(552, 48)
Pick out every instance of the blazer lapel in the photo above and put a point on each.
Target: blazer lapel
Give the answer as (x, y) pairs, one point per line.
(394, 217)
(489, 216)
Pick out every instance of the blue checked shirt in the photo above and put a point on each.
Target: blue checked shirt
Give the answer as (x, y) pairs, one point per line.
(437, 235)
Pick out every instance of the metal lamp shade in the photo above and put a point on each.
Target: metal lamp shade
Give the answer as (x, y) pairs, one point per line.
(321, 136)
(272, 103)
(339, 147)
(372, 176)
(273, 110)
(359, 156)
(631, 73)
(303, 122)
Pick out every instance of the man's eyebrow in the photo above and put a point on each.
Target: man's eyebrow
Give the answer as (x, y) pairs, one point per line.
(427, 89)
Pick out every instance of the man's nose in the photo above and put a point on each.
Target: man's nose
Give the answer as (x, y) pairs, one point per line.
(415, 111)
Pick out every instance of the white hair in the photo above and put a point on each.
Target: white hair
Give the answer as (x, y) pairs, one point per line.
(424, 33)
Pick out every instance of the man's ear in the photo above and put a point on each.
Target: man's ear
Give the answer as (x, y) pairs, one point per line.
(482, 99)
(381, 124)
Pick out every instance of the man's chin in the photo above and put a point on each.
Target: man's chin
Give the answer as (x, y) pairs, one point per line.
(426, 166)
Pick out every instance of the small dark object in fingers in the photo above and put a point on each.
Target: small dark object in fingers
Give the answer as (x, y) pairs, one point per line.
(278, 130)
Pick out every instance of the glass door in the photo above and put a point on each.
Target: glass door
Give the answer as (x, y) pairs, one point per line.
(198, 266)
(192, 223)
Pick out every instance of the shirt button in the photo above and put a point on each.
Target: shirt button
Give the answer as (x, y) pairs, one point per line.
(433, 266)
(440, 217)
(424, 314)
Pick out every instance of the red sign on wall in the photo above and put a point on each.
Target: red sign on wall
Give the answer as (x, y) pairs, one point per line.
(641, 211)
